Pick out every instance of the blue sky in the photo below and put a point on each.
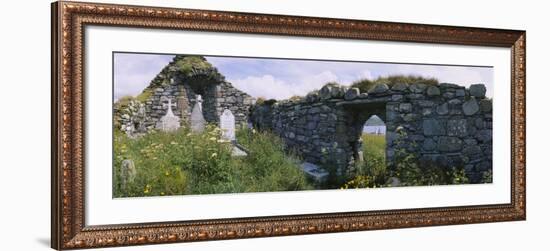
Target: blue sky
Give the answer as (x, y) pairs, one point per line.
(282, 78)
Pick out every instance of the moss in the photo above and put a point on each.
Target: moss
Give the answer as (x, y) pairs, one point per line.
(365, 85)
(187, 64)
(145, 95)
(123, 102)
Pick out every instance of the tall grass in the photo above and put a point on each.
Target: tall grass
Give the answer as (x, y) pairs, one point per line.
(181, 162)
(372, 171)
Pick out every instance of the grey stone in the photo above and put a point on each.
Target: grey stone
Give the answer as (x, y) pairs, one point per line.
(457, 127)
(433, 127)
(478, 90)
(415, 96)
(198, 122)
(460, 93)
(325, 92)
(399, 87)
(471, 150)
(238, 151)
(479, 123)
(433, 91)
(337, 92)
(397, 97)
(455, 101)
(127, 173)
(405, 107)
(379, 88)
(486, 105)
(442, 109)
(470, 141)
(318, 174)
(449, 144)
(484, 135)
(427, 111)
(425, 103)
(351, 94)
(410, 117)
(449, 85)
(429, 144)
(417, 88)
(470, 107)
(448, 95)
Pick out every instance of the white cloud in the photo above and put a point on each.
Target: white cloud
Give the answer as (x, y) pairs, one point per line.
(134, 72)
(270, 87)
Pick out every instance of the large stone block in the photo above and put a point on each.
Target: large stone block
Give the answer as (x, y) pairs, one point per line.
(433, 127)
(478, 90)
(457, 127)
(380, 88)
(449, 144)
(470, 107)
(351, 94)
(433, 91)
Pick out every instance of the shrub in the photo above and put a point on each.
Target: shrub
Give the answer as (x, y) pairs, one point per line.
(407, 169)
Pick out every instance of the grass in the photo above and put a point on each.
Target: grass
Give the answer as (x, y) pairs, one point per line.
(372, 171)
(365, 85)
(181, 162)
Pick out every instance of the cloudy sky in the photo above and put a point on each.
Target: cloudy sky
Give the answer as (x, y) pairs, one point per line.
(281, 78)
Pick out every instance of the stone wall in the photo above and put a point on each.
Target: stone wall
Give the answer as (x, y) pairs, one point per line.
(182, 88)
(447, 125)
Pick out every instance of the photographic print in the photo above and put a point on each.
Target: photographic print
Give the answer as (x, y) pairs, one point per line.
(193, 124)
(297, 125)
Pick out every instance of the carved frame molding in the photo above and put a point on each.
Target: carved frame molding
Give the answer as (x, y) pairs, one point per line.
(68, 22)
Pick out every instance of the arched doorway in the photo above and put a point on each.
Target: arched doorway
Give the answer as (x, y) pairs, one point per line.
(366, 137)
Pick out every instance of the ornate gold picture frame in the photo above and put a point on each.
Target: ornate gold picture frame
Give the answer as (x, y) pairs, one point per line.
(69, 229)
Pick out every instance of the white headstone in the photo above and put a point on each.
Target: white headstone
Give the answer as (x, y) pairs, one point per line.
(227, 124)
(197, 119)
(169, 122)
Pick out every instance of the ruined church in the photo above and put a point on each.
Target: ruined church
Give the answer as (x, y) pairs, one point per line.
(180, 84)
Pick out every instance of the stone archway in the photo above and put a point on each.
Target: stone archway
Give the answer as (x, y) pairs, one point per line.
(355, 115)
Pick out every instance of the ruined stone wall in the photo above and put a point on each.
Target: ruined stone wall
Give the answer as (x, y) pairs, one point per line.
(447, 125)
(238, 102)
(181, 81)
(216, 98)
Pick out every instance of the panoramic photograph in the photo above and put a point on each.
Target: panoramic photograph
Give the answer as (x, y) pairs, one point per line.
(194, 124)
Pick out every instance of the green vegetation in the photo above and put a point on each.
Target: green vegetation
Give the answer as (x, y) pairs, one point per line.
(373, 171)
(365, 85)
(185, 163)
(188, 64)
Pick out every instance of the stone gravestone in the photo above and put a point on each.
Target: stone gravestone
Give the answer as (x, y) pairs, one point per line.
(227, 124)
(197, 119)
(169, 122)
(127, 173)
(141, 118)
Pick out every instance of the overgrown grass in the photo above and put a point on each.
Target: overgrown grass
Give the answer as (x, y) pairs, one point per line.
(366, 84)
(372, 171)
(181, 163)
